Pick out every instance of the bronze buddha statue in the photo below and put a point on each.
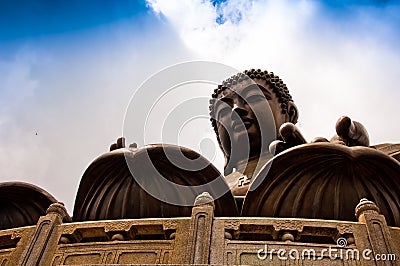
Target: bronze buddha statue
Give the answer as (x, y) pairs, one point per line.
(280, 174)
(247, 112)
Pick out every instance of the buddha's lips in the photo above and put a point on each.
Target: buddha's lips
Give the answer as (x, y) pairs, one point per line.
(241, 123)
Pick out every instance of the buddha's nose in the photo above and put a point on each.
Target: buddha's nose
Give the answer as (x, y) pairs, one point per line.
(239, 109)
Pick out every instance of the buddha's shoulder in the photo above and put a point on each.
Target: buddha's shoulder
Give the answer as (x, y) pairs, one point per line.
(391, 149)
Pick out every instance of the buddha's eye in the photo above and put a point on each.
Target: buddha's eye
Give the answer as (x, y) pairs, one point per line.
(255, 98)
(223, 112)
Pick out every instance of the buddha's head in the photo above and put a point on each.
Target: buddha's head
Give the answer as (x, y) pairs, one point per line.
(246, 112)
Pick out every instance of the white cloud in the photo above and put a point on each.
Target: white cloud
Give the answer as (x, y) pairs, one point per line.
(247, 24)
(333, 64)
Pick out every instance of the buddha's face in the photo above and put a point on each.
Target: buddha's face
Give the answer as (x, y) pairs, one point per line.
(248, 117)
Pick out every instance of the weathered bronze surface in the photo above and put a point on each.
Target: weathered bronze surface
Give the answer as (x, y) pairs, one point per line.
(351, 133)
(247, 112)
(245, 107)
(108, 189)
(392, 150)
(324, 181)
(22, 204)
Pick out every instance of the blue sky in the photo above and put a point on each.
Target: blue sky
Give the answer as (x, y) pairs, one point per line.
(69, 68)
(21, 19)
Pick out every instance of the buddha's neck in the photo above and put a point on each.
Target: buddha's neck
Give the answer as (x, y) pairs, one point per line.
(253, 165)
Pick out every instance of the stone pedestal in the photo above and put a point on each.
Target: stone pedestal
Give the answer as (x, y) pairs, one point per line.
(200, 230)
(378, 232)
(44, 239)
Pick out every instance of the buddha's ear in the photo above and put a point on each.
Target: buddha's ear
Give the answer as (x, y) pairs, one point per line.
(293, 112)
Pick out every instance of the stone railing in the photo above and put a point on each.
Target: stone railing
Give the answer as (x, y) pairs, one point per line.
(203, 239)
